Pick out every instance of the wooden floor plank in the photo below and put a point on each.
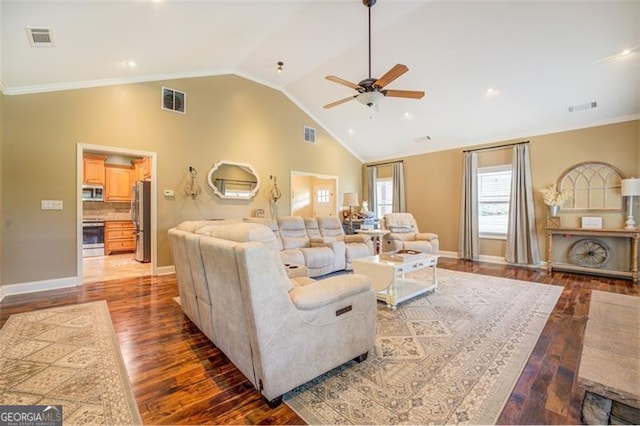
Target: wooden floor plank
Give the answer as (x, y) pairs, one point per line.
(179, 377)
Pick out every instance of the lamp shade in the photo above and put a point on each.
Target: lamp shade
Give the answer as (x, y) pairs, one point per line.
(630, 187)
(350, 199)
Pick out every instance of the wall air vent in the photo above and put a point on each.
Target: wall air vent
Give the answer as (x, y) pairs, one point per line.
(583, 107)
(174, 100)
(40, 37)
(309, 134)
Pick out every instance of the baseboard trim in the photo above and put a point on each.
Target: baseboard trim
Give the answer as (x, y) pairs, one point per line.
(166, 270)
(35, 286)
(481, 258)
(492, 259)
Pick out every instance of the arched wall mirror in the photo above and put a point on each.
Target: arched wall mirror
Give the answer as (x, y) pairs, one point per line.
(233, 180)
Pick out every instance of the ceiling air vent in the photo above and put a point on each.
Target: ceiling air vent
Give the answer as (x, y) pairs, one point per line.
(40, 37)
(583, 107)
(309, 134)
(174, 100)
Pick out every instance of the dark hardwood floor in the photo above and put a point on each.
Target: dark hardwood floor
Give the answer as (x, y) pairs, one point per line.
(179, 377)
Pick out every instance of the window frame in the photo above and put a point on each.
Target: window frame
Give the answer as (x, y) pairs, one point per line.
(493, 169)
(377, 206)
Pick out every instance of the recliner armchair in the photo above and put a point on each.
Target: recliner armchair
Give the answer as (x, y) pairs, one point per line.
(405, 235)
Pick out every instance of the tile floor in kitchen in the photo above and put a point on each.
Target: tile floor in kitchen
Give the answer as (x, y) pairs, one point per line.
(104, 268)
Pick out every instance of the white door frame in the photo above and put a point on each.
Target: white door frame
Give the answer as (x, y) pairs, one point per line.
(110, 150)
(319, 176)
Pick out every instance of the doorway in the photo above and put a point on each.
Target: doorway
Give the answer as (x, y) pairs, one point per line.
(313, 194)
(113, 212)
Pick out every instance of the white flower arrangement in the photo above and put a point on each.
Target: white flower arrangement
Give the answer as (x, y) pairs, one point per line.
(553, 197)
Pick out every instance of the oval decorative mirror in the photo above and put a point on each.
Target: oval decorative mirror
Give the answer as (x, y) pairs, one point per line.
(233, 180)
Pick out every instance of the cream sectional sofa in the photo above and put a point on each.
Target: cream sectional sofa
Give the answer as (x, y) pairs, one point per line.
(279, 332)
(319, 243)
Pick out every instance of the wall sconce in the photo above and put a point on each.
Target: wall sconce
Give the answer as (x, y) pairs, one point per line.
(192, 188)
(275, 191)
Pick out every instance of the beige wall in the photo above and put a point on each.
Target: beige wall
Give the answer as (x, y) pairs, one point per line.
(228, 118)
(433, 180)
(1, 209)
(302, 188)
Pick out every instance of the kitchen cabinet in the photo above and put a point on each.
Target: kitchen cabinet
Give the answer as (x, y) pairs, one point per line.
(118, 181)
(119, 236)
(93, 169)
(142, 168)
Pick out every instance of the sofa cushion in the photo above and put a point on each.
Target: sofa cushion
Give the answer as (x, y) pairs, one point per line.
(399, 220)
(244, 232)
(293, 232)
(330, 290)
(269, 223)
(330, 226)
(318, 257)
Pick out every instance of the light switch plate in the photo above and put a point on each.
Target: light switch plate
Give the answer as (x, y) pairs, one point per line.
(51, 204)
(168, 193)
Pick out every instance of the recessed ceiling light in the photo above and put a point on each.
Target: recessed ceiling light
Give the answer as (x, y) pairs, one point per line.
(408, 115)
(625, 52)
(128, 64)
(491, 91)
(351, 131)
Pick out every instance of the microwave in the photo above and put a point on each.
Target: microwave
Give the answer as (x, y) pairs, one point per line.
(92, 193)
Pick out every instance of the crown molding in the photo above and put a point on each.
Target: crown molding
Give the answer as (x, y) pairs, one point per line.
(88, 84)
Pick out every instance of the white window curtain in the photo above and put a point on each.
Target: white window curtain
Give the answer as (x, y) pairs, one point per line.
(397, 175)
(468, 234)
(522, 240)
(372, 176)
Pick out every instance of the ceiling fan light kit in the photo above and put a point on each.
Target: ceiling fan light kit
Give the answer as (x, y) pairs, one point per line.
(371, 90)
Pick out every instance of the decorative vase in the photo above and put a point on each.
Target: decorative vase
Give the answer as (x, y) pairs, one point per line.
(554, 210)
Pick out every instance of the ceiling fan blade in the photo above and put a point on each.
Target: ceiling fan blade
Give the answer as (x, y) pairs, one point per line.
(391, 75)
(341, 101)
(413, 94)
(342, 81)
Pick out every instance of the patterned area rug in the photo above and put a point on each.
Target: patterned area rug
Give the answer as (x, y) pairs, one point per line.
(448, 357)
(67, 356)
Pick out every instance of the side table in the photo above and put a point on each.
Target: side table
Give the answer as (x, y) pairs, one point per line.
(376, 236)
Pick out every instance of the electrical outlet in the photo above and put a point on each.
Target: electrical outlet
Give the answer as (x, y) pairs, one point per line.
(51, 204)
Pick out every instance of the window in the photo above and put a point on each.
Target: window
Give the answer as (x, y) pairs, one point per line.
(384, 197)
(323, 196)
(494, 189)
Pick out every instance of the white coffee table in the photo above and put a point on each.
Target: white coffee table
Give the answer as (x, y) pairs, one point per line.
(389, 277)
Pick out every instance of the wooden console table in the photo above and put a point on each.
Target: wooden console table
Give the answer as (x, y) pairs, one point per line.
(632, 235)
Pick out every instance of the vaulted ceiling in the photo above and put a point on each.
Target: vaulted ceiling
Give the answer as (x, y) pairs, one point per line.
(491, 70)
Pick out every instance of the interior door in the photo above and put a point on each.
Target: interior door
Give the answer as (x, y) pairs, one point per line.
(323, 200)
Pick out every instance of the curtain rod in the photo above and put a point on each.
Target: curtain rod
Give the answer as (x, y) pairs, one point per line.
(495, 147)
(384, 164)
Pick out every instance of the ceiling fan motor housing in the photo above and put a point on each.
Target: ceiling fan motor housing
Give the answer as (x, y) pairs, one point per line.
(367, 85)
(369, 3)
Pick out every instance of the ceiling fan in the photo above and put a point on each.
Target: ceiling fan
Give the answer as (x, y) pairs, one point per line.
(371, 90)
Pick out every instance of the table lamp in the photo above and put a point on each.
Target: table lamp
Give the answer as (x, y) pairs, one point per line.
(350, 199)
(630, 188)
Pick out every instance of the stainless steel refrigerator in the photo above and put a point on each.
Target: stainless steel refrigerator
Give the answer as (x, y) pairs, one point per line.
(141, 217)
